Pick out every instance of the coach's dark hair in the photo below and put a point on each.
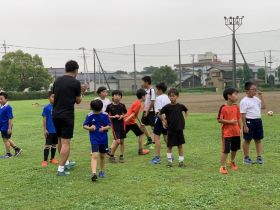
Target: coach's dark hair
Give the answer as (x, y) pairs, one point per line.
(248, 85)
(140, 93)
(50, 94)
(96, 105)
(71, 66)
(161, 86)
(147, 79)
(174, 91)
(100, 89)
(4, 94)
(229, 91)
(117, 92)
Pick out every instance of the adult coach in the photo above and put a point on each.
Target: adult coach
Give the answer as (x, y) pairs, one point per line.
(67, 91)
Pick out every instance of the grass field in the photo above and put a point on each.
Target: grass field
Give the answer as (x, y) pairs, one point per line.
(137, 184)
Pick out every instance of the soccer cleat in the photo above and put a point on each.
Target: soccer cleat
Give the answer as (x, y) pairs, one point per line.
(169, 164)
(7, 155)
(223, 170)
(112, 159)
(44, 163)
(54, 161)
(233, 166)
(101, 174)
(108, 151)
(93, 177)
(260, 160)
(182, 164)
(156, 160)
(144, 152)
(64, 173)
(18, 152)
(121, 159)
(149, 141)
(248, 161)
(70, 165)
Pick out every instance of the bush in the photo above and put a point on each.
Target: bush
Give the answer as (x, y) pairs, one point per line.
(199, 89)
(27, 95)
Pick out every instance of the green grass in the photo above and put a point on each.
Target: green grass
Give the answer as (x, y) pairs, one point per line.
(137, 184)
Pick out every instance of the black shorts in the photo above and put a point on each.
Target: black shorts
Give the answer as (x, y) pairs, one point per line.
(255, 130)
(230, 144)
(150, 119)
(64, 127)
(118, 130)
(175, 138)
(135, 128)
(51, 139)
(101, 148)
(159, 129)
(5, 135)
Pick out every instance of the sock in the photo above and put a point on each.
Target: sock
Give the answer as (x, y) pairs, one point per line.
(60, 168)
(121, 155)
(46, 154)
(169, 157)
(259, 156)
(53, 150)
(15, 148)
(181, 158)
(246, 157)
(67, 162)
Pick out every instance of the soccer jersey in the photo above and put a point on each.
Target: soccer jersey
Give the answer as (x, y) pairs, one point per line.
(47, 113)
(98, 120)
(105, 103)
(230, 113)
(116, 109)
(6, 113)
(251, 107)
(161, 101)
(151, 96)
(134, 108)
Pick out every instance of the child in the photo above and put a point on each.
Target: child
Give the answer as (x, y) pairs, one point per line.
(6, 125)
(49, 132)
(250, 108)
(117, 111)
(161, 100)
(98, 124)
(174, 121)
(130, 120)
(102, 93)
(230, 118)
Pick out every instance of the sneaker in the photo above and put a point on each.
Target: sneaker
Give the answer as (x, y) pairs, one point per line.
(248, 161)
(70, 165)
(112, 159)
(44, 163)
(182, 164)
(93, 177)
(121, 159)
(149, 141)
(18, 152)
(155, 160)
(233, 166)
(54, 161)
(101, 174)
(64, 173)
(260, 160)
(108, 151)
(144, 152)
(223, 170)
(7, 155)
(169, 164)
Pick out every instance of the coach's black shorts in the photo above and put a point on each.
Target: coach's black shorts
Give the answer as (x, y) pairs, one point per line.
(64, 127)
(231, 144)
(255, 130)
(159, 129)
(175, 138)
(135, 128)
(118, 130)
(51, 139)
(5, 135)
(150, 119)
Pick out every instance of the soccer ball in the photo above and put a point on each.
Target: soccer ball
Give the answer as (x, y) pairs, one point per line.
(270, 113)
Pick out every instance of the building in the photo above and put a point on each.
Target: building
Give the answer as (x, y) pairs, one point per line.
(190, 81)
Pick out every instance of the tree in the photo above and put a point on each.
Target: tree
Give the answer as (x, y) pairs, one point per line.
(278, 72)
(21, 70)
(120, 72)
(149, 70)
(261, 73)
(245, 74)
(164, 74)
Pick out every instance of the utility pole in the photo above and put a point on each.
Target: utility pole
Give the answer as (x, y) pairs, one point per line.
(193, 70)
(94, 70)
(85, 66)
(5, 47)
(180, 65)
(134, 67)
(231, 23)
(265, 69)
(270, 70)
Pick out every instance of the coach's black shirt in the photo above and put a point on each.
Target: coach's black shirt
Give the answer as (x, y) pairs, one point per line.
(65, 89)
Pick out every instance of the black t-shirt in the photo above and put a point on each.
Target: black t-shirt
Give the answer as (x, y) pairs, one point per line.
(174, 116)
(114, 109)
(65, 89)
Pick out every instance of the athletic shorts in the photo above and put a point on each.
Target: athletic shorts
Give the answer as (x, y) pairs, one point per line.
(5, 135)
(51, 139)
(150, 119)
(64, 127)
(175, 138)
(101, 148)
(135, 128)
(230, 144)
(159, 129)
(118, 130)
(255, 130)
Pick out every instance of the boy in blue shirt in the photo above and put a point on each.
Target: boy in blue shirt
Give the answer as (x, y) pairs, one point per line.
(6, 125)
(98, 124)
(49, 132)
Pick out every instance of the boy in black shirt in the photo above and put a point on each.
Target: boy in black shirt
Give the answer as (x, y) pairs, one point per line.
(174, 121)
(117, 111)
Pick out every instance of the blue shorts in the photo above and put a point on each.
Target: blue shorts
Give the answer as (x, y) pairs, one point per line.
(159, 129)
(5, 135)
(101, 148)
(255, 129)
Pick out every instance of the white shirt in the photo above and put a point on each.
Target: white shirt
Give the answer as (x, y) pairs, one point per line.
(161, 101)
(151, 96)
(251, 107)
(105, 102)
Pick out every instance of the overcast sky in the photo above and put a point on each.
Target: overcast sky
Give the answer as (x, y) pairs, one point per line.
(112, 23)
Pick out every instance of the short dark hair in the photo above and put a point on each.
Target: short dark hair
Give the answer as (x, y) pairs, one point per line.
(100, 89)
(147, 79)
(71, 66)
(50, 93)
(229, 91)
(96, 105)
(117, 92)
(140, 93)
(248, 85)
(4, 94)
(174, 91)
(161, 86)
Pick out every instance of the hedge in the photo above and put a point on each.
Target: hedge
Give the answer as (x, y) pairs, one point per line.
(27, 95)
